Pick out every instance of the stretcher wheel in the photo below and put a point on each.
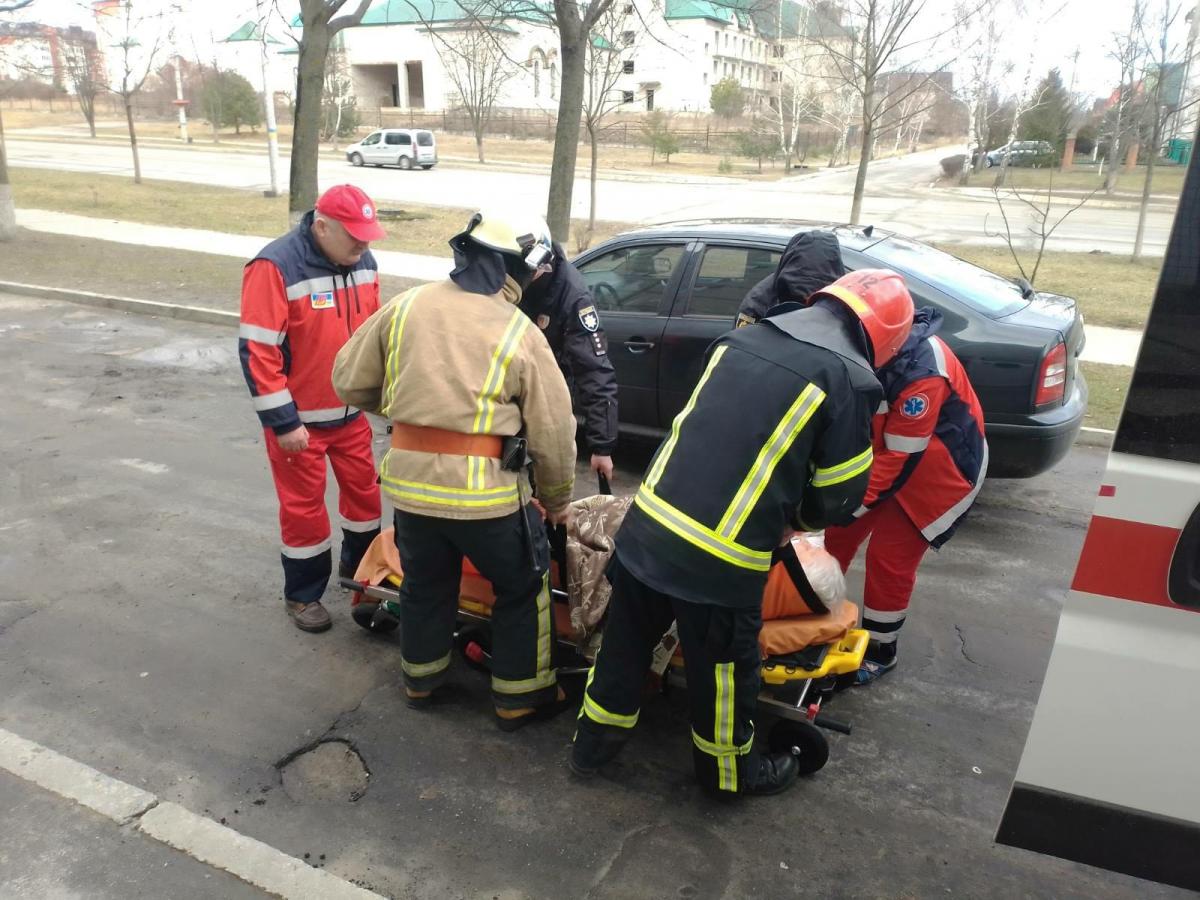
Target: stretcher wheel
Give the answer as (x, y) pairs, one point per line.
(475, 647)
(373, 616)
(802, 739)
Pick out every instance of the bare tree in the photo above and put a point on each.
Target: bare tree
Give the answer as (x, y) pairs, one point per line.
(476, 61)
(977, 44)
(1042, 224)
(1129, 51)
(881, 32)
(14, 5)
(83, 71)
(137, 61)
(603, 67)
(340, 101)
(8, 212)
(317, 18)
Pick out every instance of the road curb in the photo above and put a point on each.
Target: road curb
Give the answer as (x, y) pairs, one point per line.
(200, 314)
(1095, 437)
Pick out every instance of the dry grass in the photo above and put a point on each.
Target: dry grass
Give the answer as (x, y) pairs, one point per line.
(1108, 386)
(1168, 180)
(1111, 290)
(415, 229)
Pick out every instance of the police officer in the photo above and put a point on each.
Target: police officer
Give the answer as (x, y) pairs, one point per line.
(561, 305)
(471, 387)
(740, 470)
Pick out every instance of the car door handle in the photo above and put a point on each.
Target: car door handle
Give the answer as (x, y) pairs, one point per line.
(636, 346)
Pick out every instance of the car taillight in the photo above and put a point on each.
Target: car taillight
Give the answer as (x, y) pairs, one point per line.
(1052, 381)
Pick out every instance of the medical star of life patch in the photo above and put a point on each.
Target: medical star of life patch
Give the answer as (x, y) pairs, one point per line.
(588, 319)
(915, 406)
(323, 300)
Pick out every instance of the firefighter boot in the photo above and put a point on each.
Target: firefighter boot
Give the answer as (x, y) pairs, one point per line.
(772, 774)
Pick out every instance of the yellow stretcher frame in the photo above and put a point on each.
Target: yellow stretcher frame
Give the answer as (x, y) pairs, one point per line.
(844, 657)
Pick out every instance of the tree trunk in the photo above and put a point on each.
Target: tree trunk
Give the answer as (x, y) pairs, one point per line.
(89, 113)
(137, 163)
(8, 213)
(1144, 206)
(566, 132)
(592, 178)
(868, 144)
(306, 132)
(479, 142)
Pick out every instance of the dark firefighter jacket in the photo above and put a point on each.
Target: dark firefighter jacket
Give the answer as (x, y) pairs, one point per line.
(777, 434)
(562, 307)
(811, 261)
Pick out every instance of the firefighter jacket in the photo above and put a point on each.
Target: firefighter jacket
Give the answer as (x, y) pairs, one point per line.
(298, 309)
(811, 260)
(441, 357)
(561, 305)
(776, 435)
(930, 450)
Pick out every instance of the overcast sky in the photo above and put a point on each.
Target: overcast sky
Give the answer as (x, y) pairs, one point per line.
(1084, 25)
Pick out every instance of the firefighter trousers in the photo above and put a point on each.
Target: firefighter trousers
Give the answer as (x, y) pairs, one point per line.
(303, 519)
(722, 660)
(431, 552)
(894, 553)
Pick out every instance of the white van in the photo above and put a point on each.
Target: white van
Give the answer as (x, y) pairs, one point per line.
(403, 147)
(1110, 773)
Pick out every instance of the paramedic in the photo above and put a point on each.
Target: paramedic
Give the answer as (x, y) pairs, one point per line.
(740, 469)
(930, 462)
(470, 383)
(302, 297)
(561, 305)
(811, 260)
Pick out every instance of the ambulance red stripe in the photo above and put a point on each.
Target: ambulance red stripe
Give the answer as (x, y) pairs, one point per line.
(1129, 560)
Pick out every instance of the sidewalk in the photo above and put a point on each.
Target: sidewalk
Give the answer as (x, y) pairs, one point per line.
(1114, 346)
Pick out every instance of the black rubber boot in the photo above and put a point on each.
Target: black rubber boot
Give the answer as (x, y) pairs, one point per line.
(591, 751)
(775, 773)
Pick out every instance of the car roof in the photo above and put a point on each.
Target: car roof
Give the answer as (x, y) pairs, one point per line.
(775, 231)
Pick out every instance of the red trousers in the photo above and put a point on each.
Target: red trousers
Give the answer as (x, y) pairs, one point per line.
(895, 551)
(303, 519)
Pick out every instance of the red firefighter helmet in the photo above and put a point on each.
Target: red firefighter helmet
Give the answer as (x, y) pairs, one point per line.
(880, 300)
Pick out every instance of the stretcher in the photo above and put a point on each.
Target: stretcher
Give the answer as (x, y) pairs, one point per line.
(795, 686)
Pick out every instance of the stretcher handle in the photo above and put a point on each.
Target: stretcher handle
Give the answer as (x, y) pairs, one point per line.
(823, 721)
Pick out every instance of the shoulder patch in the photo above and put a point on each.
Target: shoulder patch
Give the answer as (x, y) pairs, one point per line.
(915, 406)
(589, 319)
(743, 320)
(543, 321)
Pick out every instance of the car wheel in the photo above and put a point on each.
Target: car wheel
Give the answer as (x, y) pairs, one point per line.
(404, 162)
(427, 168)
(989, 162)
(356, 159)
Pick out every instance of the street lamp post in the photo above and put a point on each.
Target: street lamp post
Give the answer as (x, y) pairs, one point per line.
(269, 103)
(180, 102)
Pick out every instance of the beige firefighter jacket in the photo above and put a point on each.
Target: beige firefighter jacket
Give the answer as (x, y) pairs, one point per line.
(438, 356)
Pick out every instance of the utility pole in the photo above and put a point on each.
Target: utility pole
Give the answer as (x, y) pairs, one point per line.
(180, 102)
(268, 102)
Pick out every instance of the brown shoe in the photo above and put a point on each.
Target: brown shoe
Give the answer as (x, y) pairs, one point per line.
(510, 720)
(309, 616)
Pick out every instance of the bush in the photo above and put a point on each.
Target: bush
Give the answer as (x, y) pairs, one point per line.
(725, 166)
(229, 99)
(727, 98)
(952, 166)
(658, 134)
(757, 145)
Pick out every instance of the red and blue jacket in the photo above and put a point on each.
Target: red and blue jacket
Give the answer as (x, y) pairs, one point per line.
(298, 309)
(928, 435)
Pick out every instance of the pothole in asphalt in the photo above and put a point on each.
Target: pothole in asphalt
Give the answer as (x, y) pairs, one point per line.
(330, 772)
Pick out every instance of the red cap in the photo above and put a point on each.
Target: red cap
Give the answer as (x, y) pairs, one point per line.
(353, 210)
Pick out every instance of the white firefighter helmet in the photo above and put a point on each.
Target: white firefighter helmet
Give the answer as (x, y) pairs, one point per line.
(521, 234)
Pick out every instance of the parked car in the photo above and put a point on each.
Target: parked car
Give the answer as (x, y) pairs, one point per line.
(1022, 153)
(666, 292)
(403, 147)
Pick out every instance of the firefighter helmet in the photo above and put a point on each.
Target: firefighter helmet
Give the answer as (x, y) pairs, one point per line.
(525, 235)
(880, 300)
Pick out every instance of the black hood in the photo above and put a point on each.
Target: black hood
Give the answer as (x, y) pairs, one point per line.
(926, 321)
(540, 295)
(477, 269)
(810, 261)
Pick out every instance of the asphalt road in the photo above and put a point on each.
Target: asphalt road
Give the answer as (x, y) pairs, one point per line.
(898, 193)
(142, 632)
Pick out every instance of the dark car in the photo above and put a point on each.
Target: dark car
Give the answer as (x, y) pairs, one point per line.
(1022, 153)
(666, 292)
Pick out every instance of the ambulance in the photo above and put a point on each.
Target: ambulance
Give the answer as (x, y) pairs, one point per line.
(1110, 774)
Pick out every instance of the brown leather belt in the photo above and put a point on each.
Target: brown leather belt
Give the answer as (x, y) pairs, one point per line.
(424, 439)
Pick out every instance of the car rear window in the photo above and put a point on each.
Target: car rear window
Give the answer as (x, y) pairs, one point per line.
(424, 139)
(983, 291)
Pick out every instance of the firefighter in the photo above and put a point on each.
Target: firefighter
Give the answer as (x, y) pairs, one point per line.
(930, 462)
(471, 388)
(740, 470)
(811, 260)
(561, 305)
(302, 297)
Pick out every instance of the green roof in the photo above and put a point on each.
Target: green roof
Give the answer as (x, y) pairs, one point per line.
(420, 12)
(248, 32)
(600, 42)
(742, 13)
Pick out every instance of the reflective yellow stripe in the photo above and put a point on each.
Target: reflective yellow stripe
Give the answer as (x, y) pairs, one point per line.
(537, 683)
(723, 732)
(851, 468)
(714, 750)
(399, 317)
(684, 526)
(598, 713)
(423, 670)
(772, 452)
(448, 496)
(664, 454)
(545, 636)
(493, 382)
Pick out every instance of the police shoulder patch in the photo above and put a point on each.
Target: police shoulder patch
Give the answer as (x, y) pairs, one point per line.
(915, 406)
(589, 319)
(743, 320)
